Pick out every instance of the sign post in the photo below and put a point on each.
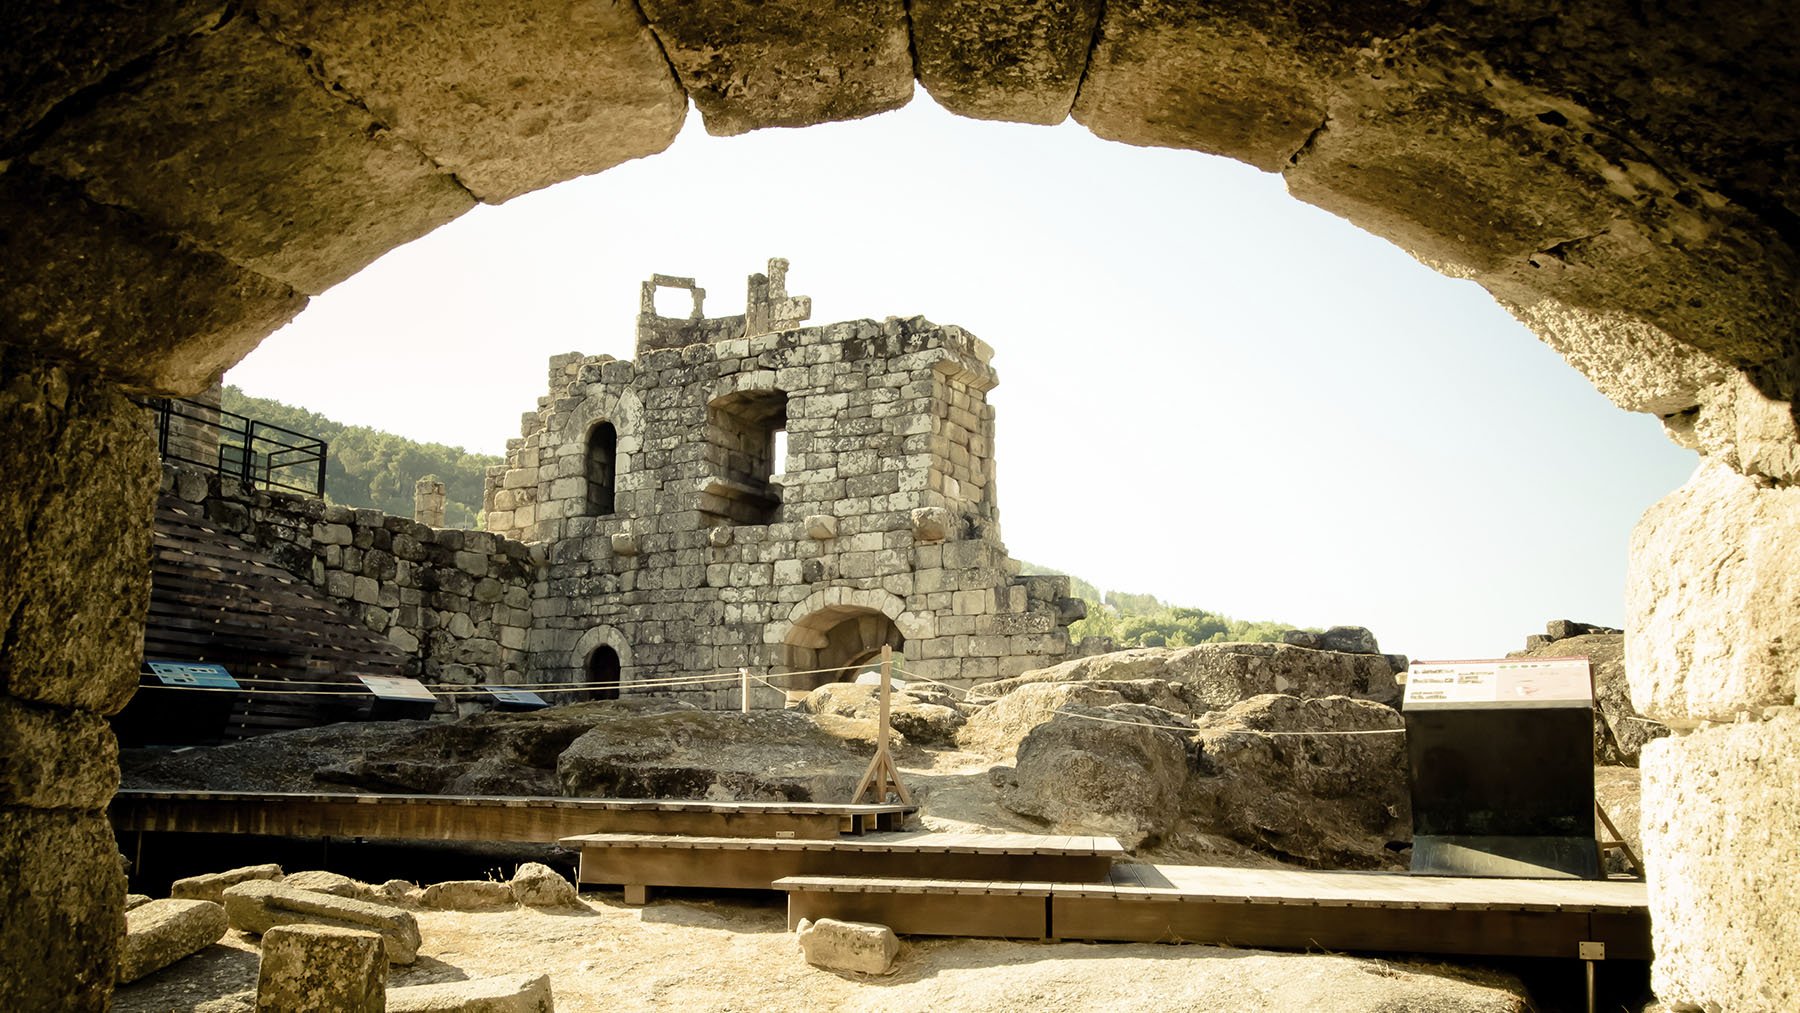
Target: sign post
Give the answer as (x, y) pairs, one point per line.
(1502, 760)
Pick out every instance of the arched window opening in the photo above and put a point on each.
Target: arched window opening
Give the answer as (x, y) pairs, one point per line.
(839, 643)
(603, 674)
(602, 463)
(745, 436)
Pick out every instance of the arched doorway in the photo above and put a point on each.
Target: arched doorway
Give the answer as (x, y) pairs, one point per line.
(843, 640)
(602, 674)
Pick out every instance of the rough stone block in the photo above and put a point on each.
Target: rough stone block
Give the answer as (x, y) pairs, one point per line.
(510, 100)
(161, 932)
(56, 759)
(1712, 599)
(537, 885)
(468, 895)
(75, 542)
(307, 968)
(62, 893)
(793, 65)
(1721, 827)
(863, 947)
(512, 993)
(259, 905)
(212, 886)
(84, 282)
(218, 164)
(821, 526)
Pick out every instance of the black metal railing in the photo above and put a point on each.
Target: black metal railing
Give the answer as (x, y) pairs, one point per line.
(254, 452)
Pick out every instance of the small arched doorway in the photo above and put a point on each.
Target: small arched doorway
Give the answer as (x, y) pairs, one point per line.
(840, 640)
(602, 674)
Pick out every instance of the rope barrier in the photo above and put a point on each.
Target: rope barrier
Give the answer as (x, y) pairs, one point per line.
(463, 689)
(1244, 731)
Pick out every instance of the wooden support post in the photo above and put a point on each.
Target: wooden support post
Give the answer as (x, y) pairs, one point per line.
(882, 774)
(1618, 842)
(744, 690)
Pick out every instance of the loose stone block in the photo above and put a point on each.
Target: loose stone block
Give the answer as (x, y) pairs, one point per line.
(537, 885)
(468, 895)
(161, 932)
(259, 905)
(310, 968)
(212, 886)
(863, 947)
(1721, 831)
(512, 993)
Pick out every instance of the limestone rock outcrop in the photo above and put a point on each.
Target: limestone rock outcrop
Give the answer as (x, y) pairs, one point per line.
(920, 719)
(535, 884)
(1108, 771)
(1219, 675)
(1322, 782)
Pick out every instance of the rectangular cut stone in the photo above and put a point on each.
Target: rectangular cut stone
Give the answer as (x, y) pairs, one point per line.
(92, 284)
(791, 65)
(265, 166)
(259, 905)
(1721, 827)
(510, 97)
(321, 967)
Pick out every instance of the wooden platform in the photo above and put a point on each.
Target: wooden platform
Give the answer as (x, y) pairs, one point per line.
(638, 861)
(486, 818)
(1277, 909)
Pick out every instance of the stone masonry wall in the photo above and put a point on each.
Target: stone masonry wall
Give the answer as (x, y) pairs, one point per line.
(74, 584)
(884, 516)
(457, 602)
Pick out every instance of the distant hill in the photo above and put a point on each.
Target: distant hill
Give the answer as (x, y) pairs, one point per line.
(367, 467)
(1144, 620)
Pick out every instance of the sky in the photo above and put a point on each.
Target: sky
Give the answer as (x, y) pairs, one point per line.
(1209, 391)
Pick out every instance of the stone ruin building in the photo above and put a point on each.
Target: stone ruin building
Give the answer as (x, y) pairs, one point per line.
(675, 542)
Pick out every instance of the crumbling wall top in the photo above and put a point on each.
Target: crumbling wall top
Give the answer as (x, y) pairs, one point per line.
(767, 308)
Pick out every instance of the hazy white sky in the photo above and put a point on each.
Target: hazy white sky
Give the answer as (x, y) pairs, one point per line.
(1209, 391)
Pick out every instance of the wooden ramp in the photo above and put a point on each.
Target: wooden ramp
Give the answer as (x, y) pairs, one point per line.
(485, 818)
(639, 861)
(1267, 908)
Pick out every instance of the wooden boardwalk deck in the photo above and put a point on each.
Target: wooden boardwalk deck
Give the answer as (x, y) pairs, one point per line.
(1271, 908)
(639, 861)
(485, 818)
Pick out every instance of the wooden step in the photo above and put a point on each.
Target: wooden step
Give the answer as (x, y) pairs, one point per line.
(637, 861)
(1273, 908)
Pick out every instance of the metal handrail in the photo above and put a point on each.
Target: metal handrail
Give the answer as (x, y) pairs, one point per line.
(266, 454)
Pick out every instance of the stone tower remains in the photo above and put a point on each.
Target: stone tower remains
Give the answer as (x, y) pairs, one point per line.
(678, 539)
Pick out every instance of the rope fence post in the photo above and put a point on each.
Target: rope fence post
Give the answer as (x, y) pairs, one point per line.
(744, 689)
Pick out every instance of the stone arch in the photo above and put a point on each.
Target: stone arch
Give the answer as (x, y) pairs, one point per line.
(591, 644)
(600, 468)
(843, 638)
(1559, 161)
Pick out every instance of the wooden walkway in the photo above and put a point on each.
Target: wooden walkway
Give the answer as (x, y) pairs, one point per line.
(640, 861)
(485, 818)
(1268, 908)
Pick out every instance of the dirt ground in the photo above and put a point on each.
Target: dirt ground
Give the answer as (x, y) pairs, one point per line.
(706, 953)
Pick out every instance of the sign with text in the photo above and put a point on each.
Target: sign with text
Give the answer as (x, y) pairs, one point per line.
(191, 673)
(1509, 682)
(392, 687)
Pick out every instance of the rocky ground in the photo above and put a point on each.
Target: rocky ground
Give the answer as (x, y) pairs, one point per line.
(1245, 755)
(606, 956)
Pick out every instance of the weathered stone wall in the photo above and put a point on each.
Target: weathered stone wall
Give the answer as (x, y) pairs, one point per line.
(1714, 611)
(74, 583)
(457, 602)
(884, 514)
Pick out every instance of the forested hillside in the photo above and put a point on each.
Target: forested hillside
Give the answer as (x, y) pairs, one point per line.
(370, 468)
(1143, 620)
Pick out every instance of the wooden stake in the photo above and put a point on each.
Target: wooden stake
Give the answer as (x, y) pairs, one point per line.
(744, 690)
(882, 774)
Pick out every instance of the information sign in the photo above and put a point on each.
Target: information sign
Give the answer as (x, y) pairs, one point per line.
(191, 673)
(393, 687)
(1510, 682)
